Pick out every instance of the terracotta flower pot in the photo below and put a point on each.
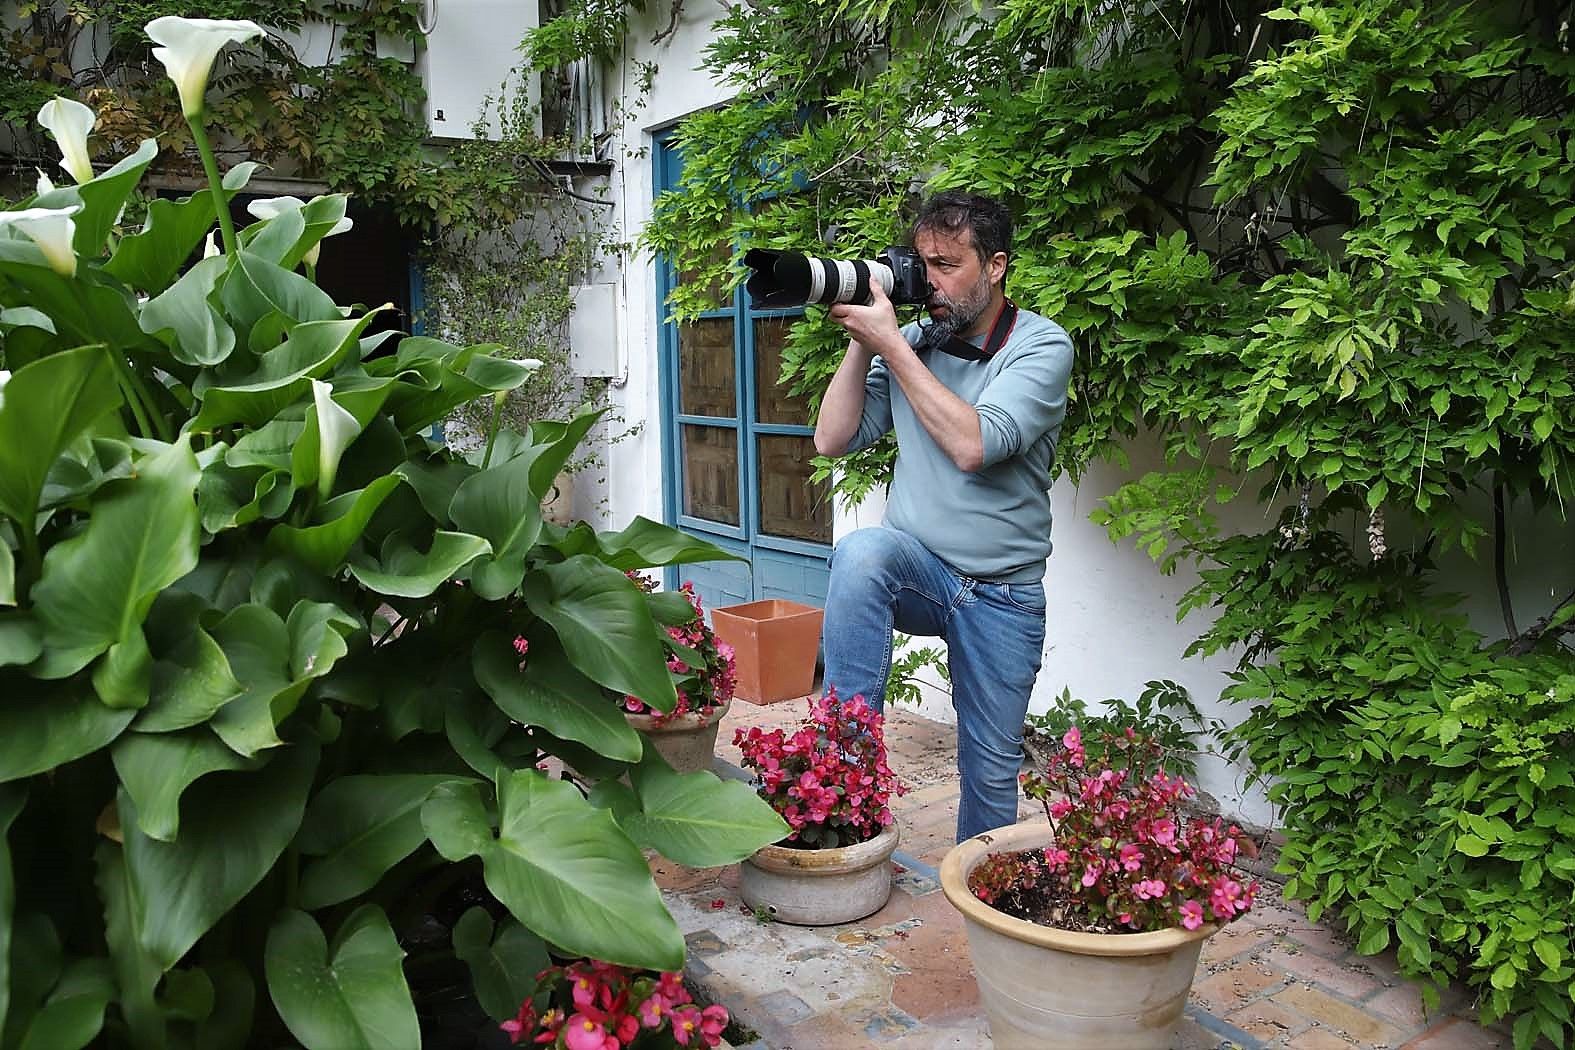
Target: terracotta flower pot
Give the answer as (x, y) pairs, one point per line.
(1057, 990)
(774, 645)
(688, 742)
(821, 887)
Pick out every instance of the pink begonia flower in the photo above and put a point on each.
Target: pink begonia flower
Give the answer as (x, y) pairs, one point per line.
(1073, 740)
(653, 1012)
(670, 986)
(1149, 889)
(1090, 875)
(582, 1033)
(1057, 858)
(686, 1024)
(1059, 810)
(1191, 915)
(1164, 832)
(1225, 899)
(520, 1025)
(1131, 857)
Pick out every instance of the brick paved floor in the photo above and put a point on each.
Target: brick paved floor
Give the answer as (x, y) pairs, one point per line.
(901, 979)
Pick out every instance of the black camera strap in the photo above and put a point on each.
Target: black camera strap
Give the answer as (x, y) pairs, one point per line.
(1000, 331)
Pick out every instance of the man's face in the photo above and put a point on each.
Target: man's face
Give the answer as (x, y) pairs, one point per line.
(962, 281)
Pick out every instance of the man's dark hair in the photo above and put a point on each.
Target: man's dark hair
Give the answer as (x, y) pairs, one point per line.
(953, 211)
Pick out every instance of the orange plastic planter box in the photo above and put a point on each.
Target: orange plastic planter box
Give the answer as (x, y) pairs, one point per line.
(774, 642)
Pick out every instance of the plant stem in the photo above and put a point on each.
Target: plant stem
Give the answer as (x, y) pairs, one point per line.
(215, 182)
(128, 390)
(160, 424)
(32, 559)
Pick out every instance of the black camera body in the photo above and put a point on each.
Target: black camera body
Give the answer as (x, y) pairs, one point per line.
(784, 279)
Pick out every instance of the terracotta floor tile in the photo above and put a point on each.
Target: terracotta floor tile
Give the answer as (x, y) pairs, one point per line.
(1268, 1020)
(1336, 1014)
(1457, 1033)
(1235, 986)
(1314, 969)
(1319, 1039)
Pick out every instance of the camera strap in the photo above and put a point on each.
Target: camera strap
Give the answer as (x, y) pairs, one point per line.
(1000, 331)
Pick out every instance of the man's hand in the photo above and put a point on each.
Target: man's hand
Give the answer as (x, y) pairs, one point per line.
(874, 326)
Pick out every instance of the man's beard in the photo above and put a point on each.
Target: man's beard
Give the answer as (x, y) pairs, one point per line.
(961, 314)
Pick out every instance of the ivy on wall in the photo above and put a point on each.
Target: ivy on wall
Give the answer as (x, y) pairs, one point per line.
(1324, 247)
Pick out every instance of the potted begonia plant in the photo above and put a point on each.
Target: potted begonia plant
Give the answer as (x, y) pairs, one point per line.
(594, 1005)
(829, 780)
(1085, 931)
(704, 678)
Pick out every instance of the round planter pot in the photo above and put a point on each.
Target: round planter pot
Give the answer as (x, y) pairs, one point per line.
(1057, 990)
(820, 887)
(688, 742)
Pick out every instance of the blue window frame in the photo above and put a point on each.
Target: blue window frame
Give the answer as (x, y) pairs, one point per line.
(736, 447)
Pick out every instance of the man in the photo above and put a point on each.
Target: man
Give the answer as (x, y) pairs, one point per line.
(976, 397)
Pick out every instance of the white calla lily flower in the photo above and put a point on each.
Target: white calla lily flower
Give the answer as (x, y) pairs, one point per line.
(69, 122)
(210, 247)
(44, 184)
(271, 207)
(52, 229)
(188, 48)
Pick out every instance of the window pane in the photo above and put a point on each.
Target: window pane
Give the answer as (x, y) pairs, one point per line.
(773, 404)
(711, 473)
(790, 506)
(706, 369)
(714, 295)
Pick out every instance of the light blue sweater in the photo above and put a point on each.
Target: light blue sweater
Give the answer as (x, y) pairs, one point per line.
(993, 524)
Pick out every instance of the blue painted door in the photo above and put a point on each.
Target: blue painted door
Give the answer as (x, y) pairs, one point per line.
(737, 446)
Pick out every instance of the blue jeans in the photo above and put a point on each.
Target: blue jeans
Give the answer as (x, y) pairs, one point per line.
(882, 578)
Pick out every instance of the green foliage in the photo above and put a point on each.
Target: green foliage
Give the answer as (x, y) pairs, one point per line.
(1323, 247)
(1164, 712)
(263, 703)
(903, 684)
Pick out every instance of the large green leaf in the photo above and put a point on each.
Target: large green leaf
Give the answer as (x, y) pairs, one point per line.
(150, 259)
(232, 833)
(360, 827)
(229, 497)
(102, 199)
(283, 374)
(155, 768)
(350, 995)
(406, 572)
(89, 307)
(97, 586)
(184, 320)
(43, 407)
(562, 867)
(503, 963)
(561, 439)
(7, 575)
(51, 725)
(272, 238)
(235, 996)
(605, 627)
(12, 798)
(642, 545)
(257, 288)
(86, 466)
(344, 518)
(136, 972)
(189, 685)
(500, 505)
(550, 693)
(74, 1013)
(277, 660)
(21, 638)
(697, 819)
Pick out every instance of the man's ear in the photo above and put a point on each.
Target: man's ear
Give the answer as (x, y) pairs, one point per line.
(997, 267)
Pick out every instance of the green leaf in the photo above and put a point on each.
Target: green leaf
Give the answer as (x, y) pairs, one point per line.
(136, 972)
(361, 826)
(231, 836)
(602, 620)
(348, 995)
(156, 768)
(149, 260)
(698, 820)
(21, 638)
(97, 586)
(257, 287)
(552, 694)
(283, 375)
(1549, 952)
(503, 968)
(12, 799)
(406, 572)
(53, 725)
(74, 1013)
(435, 482)
(323, 546)
(7, 575)
(43, 407)
(1471, 845)
(102, 199)
(499, 505)
(183, 319)
(230, 1023)
(1375, 940)
(561, 867)
(643, 544)
(189, 686)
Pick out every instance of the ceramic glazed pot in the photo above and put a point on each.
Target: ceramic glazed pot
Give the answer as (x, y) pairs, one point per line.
(821, 887)
(688, 742)
(1056, 990)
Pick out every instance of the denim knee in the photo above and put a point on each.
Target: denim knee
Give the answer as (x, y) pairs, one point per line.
(866, 554)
